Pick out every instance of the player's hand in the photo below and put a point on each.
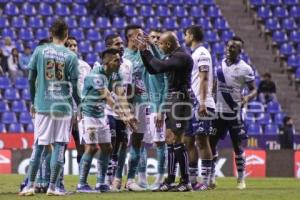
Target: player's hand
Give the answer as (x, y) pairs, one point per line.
(159, 120)
(245, 100)
(203, 110)
(32, 111)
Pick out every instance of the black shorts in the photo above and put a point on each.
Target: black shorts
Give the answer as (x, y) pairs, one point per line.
(117, 128)
(178, 109)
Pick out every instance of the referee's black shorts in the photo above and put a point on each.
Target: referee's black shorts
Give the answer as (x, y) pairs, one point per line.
(178, 107)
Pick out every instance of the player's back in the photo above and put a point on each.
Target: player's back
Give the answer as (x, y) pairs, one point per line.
(55, 66)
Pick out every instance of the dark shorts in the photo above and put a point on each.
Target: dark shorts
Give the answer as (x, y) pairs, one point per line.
(178, 112)
(117, 127)
(229, 122)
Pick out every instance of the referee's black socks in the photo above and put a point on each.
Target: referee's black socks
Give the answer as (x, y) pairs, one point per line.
(171, 164)
(182, 157)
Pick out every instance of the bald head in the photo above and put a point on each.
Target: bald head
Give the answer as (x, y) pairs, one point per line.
(168, 42)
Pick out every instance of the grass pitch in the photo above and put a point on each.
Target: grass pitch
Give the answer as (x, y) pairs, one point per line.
(267, 188)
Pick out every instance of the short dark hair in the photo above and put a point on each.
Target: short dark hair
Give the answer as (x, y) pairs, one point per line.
(69, 38)
(157, 30)
(59, 29)
(109, 39)
(196, 31)
(108, 52)
(44, 41)
(131, 27)
(267, 75)
(237, 38)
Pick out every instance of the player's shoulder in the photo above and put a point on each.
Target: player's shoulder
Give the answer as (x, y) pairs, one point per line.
(201, 51)
(82, 63)
(245, 65)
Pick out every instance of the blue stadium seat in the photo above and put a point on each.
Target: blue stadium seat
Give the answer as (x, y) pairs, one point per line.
(279, 37)
(290, 2)
(79, 10)
(213, 12)
(28, 9)
(4, 82)
(72, 22)
(78, 34)
(272, 25)
(163, 11)
(293, 61)
(25, 118)
(160, 2)
(99, 46)
(49, 21)
(91, 58)
(153, 22)
(130, 11)
(42, 33)
(19, 45)
(50, 1)
(19, 106)
(295, 12)
(3, 107)
(21, 82)
(2, 128)
(26, 34)
(204, 22)
(286, 49)
(255, 107)
(4, 22)
(226, 35)
(146, 11)
(289, 24)
(15, 128)
(45, 9)
(128, 1)
(86, 22)
(170, 23)
(18, 1)
(263, 118)
(108, 32)
(137, 20)
(84, 46)
(278, 118)
(208, 2)
(197, 11)
(18, 22)
(34, 1)
(32, 44)
(253, 129)
(93, 35)
(271, 129)
(264, 12)
(273, 107)
(298, 49)
(186, 22)
(145, 2)
(9, 32)
(221, 24)
(280, 12)
(250, 117)
(294, 36)
(297, 75)
(25, 95)
(62, 10)
(257, 3)
(66, 1)
(30, 128)
(119, 22)
(36, 22)
(103, 22)
(218, 48)
(9, 118)
(4, 1)
(191, 2)
(175, 2)
(180, 11)
(211, 36)
(273, 3)
(11, 94)
(11, 9)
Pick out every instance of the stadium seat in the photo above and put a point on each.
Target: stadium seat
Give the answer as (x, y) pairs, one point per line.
(36, 22)
(191, 2)
(119, 22)
(295, 12)
(294, 36)
(128, 1)
(197, 11)
(293, 61)
(72, 22)
(263, 13)
(208, 2)
(103, 22)
(93, 35)
(130, 11)
(18, 22)
(180, 11)
(50, 1)
(99, 46)
(19, 45)
(3, 107)
(4, 22)
(279, 37)
(213, 12)
(28, 9)
(271, 129)
(204, 22)
(86, 22)
(137, 20)
(263, 118)
(45, 9)
(78, 34)
(11, 9)
(8, 118)
(85, 46)
(30, 128)
(297, 75)
(255, 107)
(145, 2)
(278, 118)
(32, 44)
(163, 11)
(9, 32)
(253, 129)
(153, 22)
(170, 23)
(21, 82)
(290, 2)
(175, 2)
(2, 128)
(221, 24)
(79, 10)
(15, 128)
(26, 34)
(298, 49)
(18, 106)
(273, 2)
(146, 11)
(226, 35)
(160, 2)
(25, 94)
(289, 24)
(256, 3)
(11, 94)
(273, 107)
(91, 58)
(211, 36)
(218, 48)
(286, 49)
(18, 1)
(108, 32)
(250, 117)
(66, 1)
(280, 12)
(34, 1)
(62, 10)
(185, 22)
(25, 118)
(4, 82)
(272, 25)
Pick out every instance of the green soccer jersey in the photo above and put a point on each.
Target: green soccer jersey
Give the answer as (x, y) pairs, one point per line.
(93, 103)
(55, 66)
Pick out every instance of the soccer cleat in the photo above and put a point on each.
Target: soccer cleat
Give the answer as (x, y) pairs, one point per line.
(200, 187)
(27, 191)
(182, 187)
(84, 189)
(23, 184)
(143, 184)
(102, 188)
(241, 184)
(116, 185)
(55, 192)
(155, 186)
(132, 186)
(166, 187)
(212, 184)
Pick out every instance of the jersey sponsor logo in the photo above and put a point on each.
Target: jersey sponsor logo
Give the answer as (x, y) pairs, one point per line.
(178, 125)
(5, 161)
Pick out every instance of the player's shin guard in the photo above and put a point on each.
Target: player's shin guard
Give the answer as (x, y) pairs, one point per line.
(206, 166)
(161, 161)
(240, 165)
(171, 164)
(121, 162)
(56, 163)
(34, 163)
(133, 162)
(85, 165)
(182, 157)
(102, 165)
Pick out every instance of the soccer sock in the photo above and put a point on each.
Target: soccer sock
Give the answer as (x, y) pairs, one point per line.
(102, 164)
(60, 179)
(41, 175)
(56, 163)
(240, 165)
(34, 164)
(47, 169)
(206, 166)
(171, 163)
(142, 166)
(121, 162)
(133, 161)
(193, 170)
(85, 165)
(112, 166)
(182, 157)
(213, 168)
(161, 160)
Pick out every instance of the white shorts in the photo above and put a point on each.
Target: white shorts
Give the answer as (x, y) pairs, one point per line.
(48, 129)
(156, 135)
(94, 130)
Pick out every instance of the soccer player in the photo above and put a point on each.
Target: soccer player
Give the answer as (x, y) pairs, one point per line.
(201, 125)
(232, 76)
(118, 129)
(53, 76)
(178, 67)
(95, 129)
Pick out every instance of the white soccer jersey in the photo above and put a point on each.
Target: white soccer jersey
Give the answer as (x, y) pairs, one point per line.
(84, 69)
(231, 80)
(202, 63)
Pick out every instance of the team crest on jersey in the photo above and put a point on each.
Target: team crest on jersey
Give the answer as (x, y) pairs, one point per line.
(98, 81)
(92, 133)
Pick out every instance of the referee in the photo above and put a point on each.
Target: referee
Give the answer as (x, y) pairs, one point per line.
(178, 66)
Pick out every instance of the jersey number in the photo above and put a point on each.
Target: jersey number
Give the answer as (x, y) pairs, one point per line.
(54, 70)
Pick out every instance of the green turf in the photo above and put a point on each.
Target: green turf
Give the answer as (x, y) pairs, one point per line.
(268, 188)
